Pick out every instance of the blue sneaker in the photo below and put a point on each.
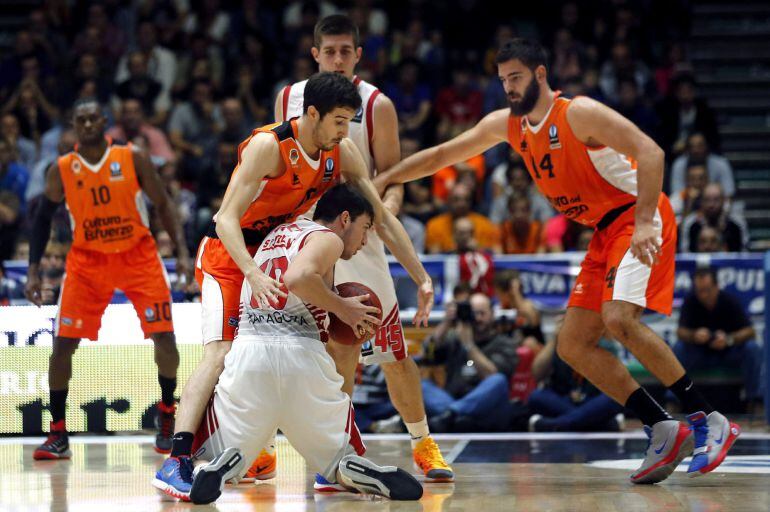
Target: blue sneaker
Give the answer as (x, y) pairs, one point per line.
(174, 478)
(323, 485)
(714, 435)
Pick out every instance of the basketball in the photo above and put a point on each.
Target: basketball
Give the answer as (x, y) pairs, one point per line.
(341, 332)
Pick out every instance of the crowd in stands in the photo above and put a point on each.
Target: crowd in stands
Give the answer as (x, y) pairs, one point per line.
(189, 79)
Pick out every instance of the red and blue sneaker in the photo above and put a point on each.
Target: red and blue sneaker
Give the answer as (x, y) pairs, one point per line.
(175, 478)
(714, 435)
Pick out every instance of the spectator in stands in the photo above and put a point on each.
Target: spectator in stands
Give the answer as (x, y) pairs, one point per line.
(477, 269)
(510, 295)
(12, 66)
(88, 69)
(25, 148)
(374, 410)
(32, 109)
(161, 64)
(141, 86)
(209, 19)
(36, 184)
(458, 106)
(13, 176)
(568, 57)
(512, 178)
(445, 179)
(633, 106)
(687, 200)
(132, 124)
(683, 114)
(561, 234)
(412, 100)
(184, 200)
(715, 332)
(622, 65)
(192, 128)
(438, 232)
(718, 168)
(418, 200)
(235, 127)
(713, 212)
(567, 401)
(521, 233)
(709, 240)
(478, 366)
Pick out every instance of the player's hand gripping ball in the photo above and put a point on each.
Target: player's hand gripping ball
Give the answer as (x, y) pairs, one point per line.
(341, 332)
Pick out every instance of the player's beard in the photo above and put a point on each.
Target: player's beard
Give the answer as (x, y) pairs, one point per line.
(525, 105)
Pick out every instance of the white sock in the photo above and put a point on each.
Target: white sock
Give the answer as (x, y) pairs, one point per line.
(418, 431)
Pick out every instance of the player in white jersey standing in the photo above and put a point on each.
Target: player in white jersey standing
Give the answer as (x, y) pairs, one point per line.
(374, 130)
(278, 356)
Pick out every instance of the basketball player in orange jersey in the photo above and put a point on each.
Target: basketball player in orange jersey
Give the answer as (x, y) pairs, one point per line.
(282, 170)
(102, 184)
(374, 130)
(600, 170)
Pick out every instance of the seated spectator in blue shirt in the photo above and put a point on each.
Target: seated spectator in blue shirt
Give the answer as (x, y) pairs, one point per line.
(472, 392)
(715, 332)
(568, 402)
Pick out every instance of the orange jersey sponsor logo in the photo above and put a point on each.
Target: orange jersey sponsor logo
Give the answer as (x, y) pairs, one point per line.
(581, 182)
(105, 201)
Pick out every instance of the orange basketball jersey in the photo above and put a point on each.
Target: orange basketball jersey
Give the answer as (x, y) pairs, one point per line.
(304, 180)
(584, 183)
(105, 202)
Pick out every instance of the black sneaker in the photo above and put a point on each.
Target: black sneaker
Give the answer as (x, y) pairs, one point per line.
(57, 446)
(164, 422)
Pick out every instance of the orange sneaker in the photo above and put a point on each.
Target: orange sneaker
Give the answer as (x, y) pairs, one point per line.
(263, 468)
(428, 459)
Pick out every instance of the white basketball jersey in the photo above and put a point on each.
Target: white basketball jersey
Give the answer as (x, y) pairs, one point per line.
(291, 317)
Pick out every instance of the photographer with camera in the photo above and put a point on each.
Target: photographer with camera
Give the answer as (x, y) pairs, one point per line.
(470, 365)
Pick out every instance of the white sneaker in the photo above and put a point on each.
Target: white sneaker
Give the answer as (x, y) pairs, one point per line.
(368, 478)
(669, 443)
(714, 435)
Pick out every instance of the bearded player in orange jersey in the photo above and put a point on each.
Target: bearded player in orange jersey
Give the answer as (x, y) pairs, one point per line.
(598, 169)
(103, 184)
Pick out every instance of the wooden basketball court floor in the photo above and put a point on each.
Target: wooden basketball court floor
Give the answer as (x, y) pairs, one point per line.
(527, 472)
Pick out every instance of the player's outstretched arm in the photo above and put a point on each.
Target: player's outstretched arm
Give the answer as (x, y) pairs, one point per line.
(260, 159)
(304, 278)
(595, 124)
(41, 231)
(491, 130)
(389, 228)
(153, 187)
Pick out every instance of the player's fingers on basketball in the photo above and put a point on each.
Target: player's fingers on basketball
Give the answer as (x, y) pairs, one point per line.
(362, 298)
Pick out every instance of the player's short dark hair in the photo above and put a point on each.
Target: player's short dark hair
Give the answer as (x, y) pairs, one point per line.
(528, 51)
(335, 25)
(327, 91)
(341, 198)
(706, 272)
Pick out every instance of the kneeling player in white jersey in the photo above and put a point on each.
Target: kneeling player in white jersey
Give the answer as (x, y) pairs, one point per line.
(278, 373)
(374, 130)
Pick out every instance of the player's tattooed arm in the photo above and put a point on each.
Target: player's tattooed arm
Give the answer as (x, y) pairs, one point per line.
(260, 159)
(491, 130)
(595, 124)
(153, 187)
(386, 149)
(41, 231)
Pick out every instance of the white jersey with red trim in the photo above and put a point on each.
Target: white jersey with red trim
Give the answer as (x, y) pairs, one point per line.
(362, 125)
(290, 317)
